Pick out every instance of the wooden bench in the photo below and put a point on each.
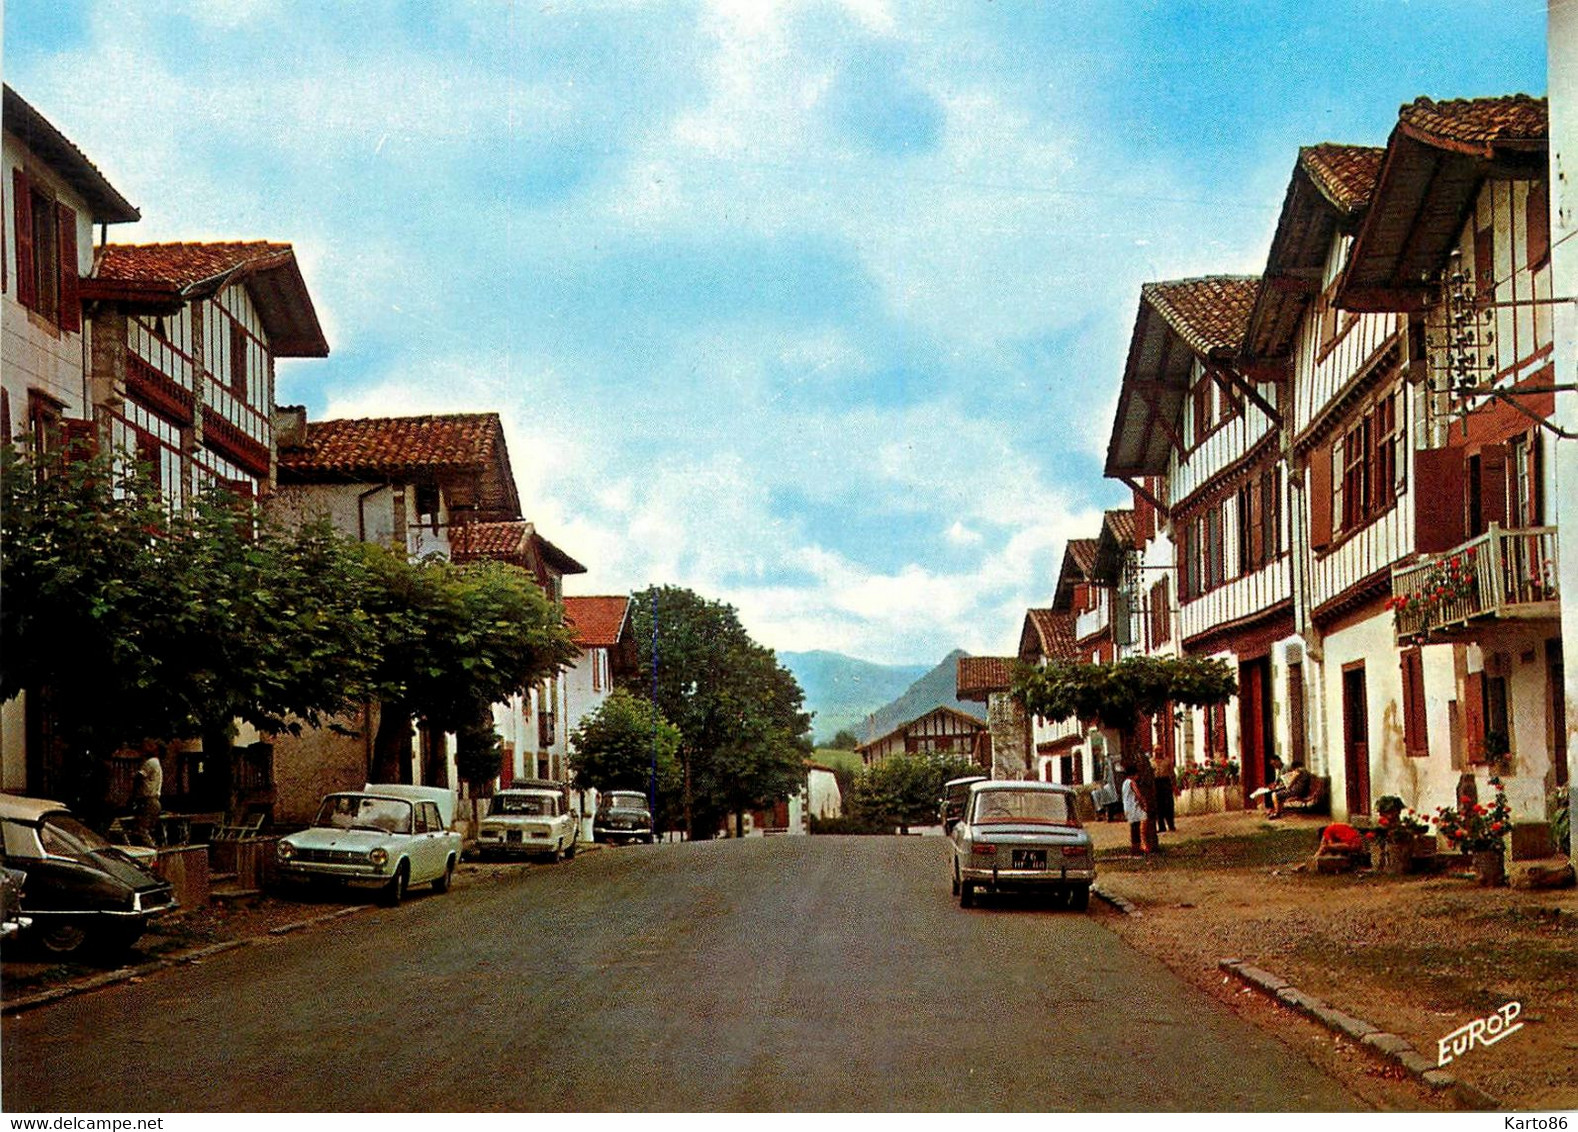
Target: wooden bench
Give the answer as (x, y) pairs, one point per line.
(1317, 801)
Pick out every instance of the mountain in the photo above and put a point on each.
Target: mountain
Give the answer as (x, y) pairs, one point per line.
(842, 690)
(937, 688)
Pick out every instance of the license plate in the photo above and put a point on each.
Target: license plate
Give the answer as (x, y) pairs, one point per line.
(1030, 858)
(513, 835)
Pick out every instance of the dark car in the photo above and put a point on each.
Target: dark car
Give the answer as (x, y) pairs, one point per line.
(955, 793)
(623, 815)
(82, 893)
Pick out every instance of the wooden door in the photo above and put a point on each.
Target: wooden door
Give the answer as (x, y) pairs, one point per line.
(1356, 739)
(1254, 722)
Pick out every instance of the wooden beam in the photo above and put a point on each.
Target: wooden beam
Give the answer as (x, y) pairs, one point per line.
(1149, 396)
(1139, 489)
(1230, 379)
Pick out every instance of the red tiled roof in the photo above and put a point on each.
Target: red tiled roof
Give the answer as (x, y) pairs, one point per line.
(390, 445)
(1344, 173)
(185, 264)
(1121, 524)
(1083, 552)
(1054, 631)
(597, 620)
(979, 675)
(162, 276)
(507, 541)
(1209, 313)
(1476, 123)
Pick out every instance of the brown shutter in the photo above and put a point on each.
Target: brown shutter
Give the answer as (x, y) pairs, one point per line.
(1415, 739)
(1320, 497)
(22, 210)
(1493, 484)
(66, 239)
(1537, 209)
(1474, 717)
(1536, 479)
(1438, 499)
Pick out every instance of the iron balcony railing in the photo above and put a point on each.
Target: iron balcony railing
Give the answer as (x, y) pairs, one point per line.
(1501, 573)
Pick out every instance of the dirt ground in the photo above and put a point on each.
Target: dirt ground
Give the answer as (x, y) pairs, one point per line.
(1418, 956)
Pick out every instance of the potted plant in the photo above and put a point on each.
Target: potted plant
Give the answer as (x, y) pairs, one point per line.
(1478, 831)
(1403, 837)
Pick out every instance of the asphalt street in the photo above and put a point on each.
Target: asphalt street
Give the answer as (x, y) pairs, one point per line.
(808, 974)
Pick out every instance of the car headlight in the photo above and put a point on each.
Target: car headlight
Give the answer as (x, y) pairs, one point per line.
(285, 851)
(378, 857)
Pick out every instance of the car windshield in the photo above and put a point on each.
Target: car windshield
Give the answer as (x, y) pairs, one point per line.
(523, 805)
(62, 835)
(1038, 807)
(625, 802)
(357, 811)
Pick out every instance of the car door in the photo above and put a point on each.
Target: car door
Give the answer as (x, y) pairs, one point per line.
(427, 853)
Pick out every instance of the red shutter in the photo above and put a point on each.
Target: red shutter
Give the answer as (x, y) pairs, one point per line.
(1438, 499)
(22, 209)
(1415, 739)
(1493, 484)
(1537, 210)
(70, 305)
(1474, 717)
(1320, 497)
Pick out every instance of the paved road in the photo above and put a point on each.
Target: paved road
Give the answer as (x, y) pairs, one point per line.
(779, 974)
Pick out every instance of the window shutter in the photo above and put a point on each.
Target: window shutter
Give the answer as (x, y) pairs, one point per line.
(66, 239)
(1474, 717)
(1415, 739)
(22, 210)
(1537, 212)
(1320, 498)
(1493, 484)
(1536, 478)
(1438, 500)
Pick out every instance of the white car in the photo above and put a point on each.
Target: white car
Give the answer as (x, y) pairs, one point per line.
(384, 837)
(1025, 836)
(535, 820)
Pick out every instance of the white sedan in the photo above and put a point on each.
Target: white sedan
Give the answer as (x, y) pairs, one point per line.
(1024, 836)
(375, 839)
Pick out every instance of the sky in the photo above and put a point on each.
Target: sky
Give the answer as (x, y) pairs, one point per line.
(818, 309)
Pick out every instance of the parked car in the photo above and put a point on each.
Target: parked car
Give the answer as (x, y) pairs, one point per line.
(955, 792)
(623, 815)
(1025, 836)
(534, 819)
(11, 919)
(384, 837)
(82, 893)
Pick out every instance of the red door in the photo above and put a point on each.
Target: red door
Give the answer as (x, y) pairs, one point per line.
(1356, 739)
(1254, 722)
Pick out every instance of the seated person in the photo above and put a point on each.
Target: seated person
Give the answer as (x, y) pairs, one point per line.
(1340, 838)
(1292, 786)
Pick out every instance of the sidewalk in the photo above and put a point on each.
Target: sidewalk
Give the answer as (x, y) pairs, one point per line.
(1418, 956)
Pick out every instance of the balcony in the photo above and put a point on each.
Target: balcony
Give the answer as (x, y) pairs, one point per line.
(1499, 574)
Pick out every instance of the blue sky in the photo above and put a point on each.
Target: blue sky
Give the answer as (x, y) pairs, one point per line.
(819, 309)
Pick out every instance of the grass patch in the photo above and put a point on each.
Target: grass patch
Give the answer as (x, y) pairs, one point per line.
(1241, 851)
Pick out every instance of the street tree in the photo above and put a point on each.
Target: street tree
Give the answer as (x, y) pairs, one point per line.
(740, 714)
(617, 745)
(904, 790)
(454, 640)
(1118, 695)
(131, 621)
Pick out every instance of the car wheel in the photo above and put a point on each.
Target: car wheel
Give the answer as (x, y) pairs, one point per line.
(442, 883)
(966, 894)
(63, 938)
(394, 891)
(569, 854)
(1079, 898)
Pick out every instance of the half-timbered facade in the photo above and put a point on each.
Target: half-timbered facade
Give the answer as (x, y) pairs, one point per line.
(1439, 469)
(1192, 423)
(943, 730)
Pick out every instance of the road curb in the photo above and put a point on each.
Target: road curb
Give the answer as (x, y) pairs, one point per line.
(1116, 901)
(191, 955)
(1392, 1047)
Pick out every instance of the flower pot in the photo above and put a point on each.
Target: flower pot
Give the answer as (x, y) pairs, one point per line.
(1215, 799)
(1490, 867)
(1397, 857)
(1234, 795)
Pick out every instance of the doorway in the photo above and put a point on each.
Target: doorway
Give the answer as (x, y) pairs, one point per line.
(1356, 738)
(1254, 721)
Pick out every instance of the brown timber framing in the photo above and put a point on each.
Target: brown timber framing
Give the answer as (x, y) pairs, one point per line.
(1228, 375)
(1376, 369)
(1138, 488)
(1149, 392)
(1231, 477)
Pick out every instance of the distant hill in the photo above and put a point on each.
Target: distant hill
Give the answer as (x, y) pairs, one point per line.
(937, 688)
(842, 691)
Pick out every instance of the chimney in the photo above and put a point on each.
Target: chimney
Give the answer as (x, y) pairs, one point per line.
(290, 426)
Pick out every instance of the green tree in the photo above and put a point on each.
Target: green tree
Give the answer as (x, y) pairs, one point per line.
(845, 740)
(1119, 695)
(613, 749)
(453, 641)
(904, 790)
(743, 730)
(131, 622)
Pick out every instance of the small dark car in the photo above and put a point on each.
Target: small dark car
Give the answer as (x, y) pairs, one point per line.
(955, 793)
(82, 893)
(623, 815)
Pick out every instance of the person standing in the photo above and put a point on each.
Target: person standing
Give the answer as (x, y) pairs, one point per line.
(147, 786)
(1134, 811)
(1162, 763)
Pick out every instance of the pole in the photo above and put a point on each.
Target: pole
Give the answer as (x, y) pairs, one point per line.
(652, 774)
